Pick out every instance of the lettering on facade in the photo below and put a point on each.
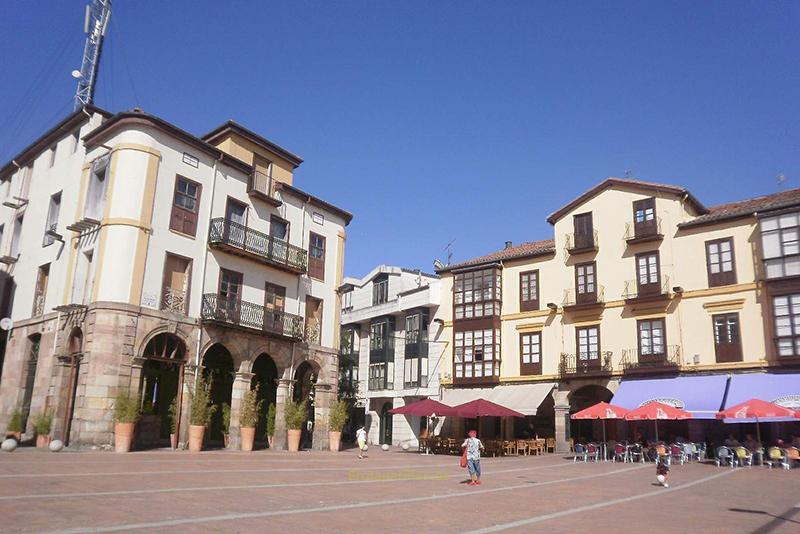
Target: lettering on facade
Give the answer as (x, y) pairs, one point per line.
(149, 300)
(675, 403)
(788, 401)
(190, 160)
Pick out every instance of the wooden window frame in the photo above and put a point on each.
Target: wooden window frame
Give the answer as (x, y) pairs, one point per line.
(274, 218)
(529, 368)
(530, 304)
(728, 351)
(652, 356)
(380, 290)
(587, 296)
(650, 288)
(722, 278)
(229, 200)
(187, 298)
(316, 266)
(794, 337)
(647, 226)
(585, 241)
(590, 362)
(495, 360)
(180, 209)
(222, 272)
(494, 301)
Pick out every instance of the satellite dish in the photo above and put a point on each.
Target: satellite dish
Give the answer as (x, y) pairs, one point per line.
(6, 323)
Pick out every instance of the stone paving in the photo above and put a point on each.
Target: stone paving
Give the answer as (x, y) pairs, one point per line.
(392, 491)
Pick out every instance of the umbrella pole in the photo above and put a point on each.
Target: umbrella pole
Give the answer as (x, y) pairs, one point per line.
(656, 422)
(605, 451)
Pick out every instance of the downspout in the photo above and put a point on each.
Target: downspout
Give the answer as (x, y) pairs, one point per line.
(302, 244)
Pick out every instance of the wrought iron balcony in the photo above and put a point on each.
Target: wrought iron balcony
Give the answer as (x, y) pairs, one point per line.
(238, 239)
(634, 290)
(261, 186)
(572, 365)
(669, 359)
(173, 300)
(574, 300)
(579, 243)
(223, 310)
(643, 231)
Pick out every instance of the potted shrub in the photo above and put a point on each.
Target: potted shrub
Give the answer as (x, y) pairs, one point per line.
(201, 412)
(14, 428)
(336, 422)
(226, 424)
(44, 424)
(296, 413)
(173, 423)
(271, 425)
(248, 417)
(127, 410)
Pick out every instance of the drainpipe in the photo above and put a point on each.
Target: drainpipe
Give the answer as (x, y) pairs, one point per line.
(302, 244)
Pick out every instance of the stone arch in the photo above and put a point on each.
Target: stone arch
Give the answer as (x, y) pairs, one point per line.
(306, 376)
(235, 347)
(156, 332)
(219, 369)
(583, 397)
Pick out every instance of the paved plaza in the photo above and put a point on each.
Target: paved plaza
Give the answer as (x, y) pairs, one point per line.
(388, 492)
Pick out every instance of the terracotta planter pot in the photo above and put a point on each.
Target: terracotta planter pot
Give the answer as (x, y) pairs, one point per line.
(294, 440)
(16, 435)
(248, 437)
(335, 439)
(173, 441)
(123, 436)
(42, 442)
(196, 433)
(271, 441)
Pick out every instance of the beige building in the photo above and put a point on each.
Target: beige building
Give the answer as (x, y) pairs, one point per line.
(643, 293)
(136, 256)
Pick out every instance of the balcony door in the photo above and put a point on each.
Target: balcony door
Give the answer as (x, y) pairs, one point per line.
(584, 231)
(313, 320)
(235, 223)
(175, 285)
(230, 295)
(274, 304)
(279, 239)
(652, 341)
(585, 283)
(644, 217)
(647, 274)
(587, 341)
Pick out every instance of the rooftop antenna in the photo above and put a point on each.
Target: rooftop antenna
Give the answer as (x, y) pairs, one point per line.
(449, 249)
(781, 180)
(95, 23)
(628, 174)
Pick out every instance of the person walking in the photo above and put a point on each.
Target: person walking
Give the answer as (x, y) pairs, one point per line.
(361, 438)
(474, 446)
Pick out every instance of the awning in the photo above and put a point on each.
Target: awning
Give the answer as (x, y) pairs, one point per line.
(782, 389)
(702, 396)
(524, 398)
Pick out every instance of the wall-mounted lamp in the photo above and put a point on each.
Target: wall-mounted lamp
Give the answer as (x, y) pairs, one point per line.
(552, 305)
(677, 290)
(438, 320)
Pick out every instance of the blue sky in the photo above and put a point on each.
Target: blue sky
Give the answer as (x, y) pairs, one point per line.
(434, 121)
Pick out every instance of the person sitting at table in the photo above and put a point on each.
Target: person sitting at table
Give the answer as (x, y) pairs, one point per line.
(732, 441)
(751, 444)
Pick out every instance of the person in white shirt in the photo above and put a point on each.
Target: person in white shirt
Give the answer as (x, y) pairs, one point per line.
(474, 447)
(361, 438)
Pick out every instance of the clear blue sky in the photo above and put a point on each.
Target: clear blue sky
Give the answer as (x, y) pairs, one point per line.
(434, 121)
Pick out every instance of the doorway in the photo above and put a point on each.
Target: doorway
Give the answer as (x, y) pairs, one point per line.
(304, 390)
(385, 428)
(265, 374)
(219, 372)
(160, 387)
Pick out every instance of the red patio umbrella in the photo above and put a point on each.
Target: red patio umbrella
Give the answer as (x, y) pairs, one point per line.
(423, 408)
(483, 408)
(756, 409)
(601, 410)
(653, 411)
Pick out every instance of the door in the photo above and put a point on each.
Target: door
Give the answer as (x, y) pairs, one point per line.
(588, 343)
(647, 275)
(274, 303)
(262, 175)
(41, 289)
(175, 284)
(230, 295)
(235, 223)
(584, 231)
(727, 343)
(278, 239)
(652, 345)
(386, 424)
(585, 283)
(313, 320)
(644, 217)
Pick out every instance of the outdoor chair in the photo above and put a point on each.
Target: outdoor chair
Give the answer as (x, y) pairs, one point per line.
(423, 444)
(689, 452)
(724, 456)
(776, 456)
(491, 448)
(621, 452)
(522, 447)
(636, 452)
(701, 451)
(743, 457)
(677, 453)
(792, 456)
(550, 444)
(510, 447)
(592, 451)
(580, 452)
(610, 446)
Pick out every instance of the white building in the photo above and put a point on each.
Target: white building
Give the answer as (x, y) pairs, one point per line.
(389, 327)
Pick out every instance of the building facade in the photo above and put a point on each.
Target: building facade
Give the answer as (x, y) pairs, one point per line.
(643, 293)
(391, 336)
(138, 256)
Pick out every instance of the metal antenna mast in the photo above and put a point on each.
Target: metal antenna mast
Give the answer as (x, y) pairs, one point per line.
(98, 13)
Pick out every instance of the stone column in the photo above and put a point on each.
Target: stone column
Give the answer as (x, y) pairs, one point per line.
(324, 397)
(241, 385)
(561, 410)
(187, 390)
(281, 397)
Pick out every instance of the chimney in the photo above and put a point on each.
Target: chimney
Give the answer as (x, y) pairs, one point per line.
(508, 245)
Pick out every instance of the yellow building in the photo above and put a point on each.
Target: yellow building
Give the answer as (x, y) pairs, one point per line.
(643, 293)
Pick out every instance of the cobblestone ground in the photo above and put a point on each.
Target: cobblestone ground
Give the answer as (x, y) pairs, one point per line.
(388, 492)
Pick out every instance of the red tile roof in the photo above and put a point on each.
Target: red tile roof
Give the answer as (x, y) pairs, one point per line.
(746, 208)
(525, 250)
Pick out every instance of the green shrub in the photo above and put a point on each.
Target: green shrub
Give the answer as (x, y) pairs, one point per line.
(338, 416)
(127, 408)
(271, 420)
(251, 406)
(15, 423)
(200, 403)
(43, 423)
(296, 414)
(173, 415)
(226, 417)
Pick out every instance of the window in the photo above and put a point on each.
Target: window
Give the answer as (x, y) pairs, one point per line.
(274, 304)
(16, 235)
(97, 190)
(647, 275)
(347, 300)
(381, 354)
(75, 140)
(588, 343)
(316, 256)
(347, 341)
(644, 211)
(40, 293)
(416, 350)
(52, 219)
(529, 291)
(185, 206)
(313, 320)
(786, 313)
(586, 283)
(51, 156)
(651, 338)
(584, 231)
(727, 345)
(780, 238)
(530, 352)
(230, 294)
(477, 294)
(278, 228)
(720, 263)
(82, 283)
(380, 289)
(477, 354)
(175, 283)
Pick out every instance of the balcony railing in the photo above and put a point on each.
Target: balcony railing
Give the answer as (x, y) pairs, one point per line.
(571, 364)
(572, 299)
(262, 186)
(639, 232)
(229, 311)
(239, 239)
(173, 300)
(577, 243)
(38, 305)
(635, 290)
(669, 359)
